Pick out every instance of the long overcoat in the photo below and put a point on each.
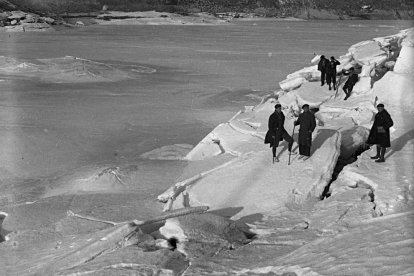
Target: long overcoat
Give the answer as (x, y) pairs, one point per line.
(376, 135)
(307, 124)
(323, 64)
(276, 129)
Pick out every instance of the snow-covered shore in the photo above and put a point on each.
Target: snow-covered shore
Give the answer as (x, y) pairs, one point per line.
(18, 21)
(241, 181)
(242, 136)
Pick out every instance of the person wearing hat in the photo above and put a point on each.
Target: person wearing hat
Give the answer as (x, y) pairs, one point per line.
(277, 132)
(307, 124)
(331, 72)
(380, 133)
(350, 82)
(322, 66)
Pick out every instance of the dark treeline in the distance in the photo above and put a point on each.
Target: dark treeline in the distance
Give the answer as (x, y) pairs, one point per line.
(390, 9)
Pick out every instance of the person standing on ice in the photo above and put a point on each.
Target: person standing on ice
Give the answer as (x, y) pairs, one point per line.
(380, 133)
(350, 82)
(331, 72)
(277, 132)
(307, 124)
(322, 66)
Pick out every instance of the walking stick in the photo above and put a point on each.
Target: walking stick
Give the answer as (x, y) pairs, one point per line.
(290, 152)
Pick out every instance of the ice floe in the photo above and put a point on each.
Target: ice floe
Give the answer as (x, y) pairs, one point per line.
(250, 180)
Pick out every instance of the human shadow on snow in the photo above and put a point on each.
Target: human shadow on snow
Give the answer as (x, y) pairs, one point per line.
(321, 136)
(399, 143)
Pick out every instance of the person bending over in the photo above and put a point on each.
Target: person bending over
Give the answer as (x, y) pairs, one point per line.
(350, 82)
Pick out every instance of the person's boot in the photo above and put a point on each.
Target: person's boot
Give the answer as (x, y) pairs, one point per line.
(378, 153)
(275, 159)
(330, 87)
(347, 96)
(381, 159)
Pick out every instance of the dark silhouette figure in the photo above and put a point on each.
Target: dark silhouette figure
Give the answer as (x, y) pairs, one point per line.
(277, 132)
(322, 66)
(380, 133)
(350, 82)
(307, 124)
(331, 72)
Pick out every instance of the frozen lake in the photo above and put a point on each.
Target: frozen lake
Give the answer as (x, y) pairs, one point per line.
(204, 74)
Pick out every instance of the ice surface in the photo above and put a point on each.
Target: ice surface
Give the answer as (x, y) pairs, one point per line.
(392, 182)
(404, 64)
(242, 182)
(251, 185)
(170, 152)
(231, 171)
(346, 126)
(70, 69)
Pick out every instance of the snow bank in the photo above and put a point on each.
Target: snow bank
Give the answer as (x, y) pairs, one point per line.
(391, 181)
(363, 250)
(249, 181)
(404, 64)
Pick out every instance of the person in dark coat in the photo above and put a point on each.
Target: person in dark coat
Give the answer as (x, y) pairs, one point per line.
(277, 132)
(331, 72)
(322, 66)
(350, 82)
(380, 133)
(307, 124)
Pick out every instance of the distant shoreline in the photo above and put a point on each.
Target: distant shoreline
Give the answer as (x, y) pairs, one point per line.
(19, 21)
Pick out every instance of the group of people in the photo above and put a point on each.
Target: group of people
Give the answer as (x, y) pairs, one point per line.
(379, 133)
(277, 132)
(328, 74)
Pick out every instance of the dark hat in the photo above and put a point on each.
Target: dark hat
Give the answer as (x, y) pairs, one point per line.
(380, 105)
(352, 69)
(332, 57)
(277, 106)
(305, 105)
(322, 56)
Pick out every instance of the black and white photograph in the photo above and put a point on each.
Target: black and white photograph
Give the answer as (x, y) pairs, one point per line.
(207, 137)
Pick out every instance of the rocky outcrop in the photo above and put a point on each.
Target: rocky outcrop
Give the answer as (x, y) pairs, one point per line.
(22, 21)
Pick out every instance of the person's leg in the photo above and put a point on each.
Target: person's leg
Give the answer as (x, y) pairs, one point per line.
(323, 74)
(275, 159)
(378, 153)
(307, 151)
(301, 149)
(347, 93)
(328, 80)
(289, 139)
(350, 90)
(382, 154)
(334, 81)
